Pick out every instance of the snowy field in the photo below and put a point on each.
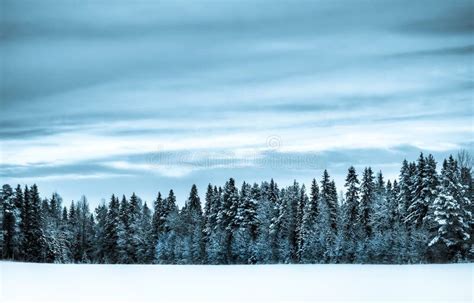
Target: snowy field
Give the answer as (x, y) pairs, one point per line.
(21, 282)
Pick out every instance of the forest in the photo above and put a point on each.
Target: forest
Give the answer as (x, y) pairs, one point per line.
(424, 216)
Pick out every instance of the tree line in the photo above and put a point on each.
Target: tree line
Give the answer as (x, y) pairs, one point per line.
(422, 217)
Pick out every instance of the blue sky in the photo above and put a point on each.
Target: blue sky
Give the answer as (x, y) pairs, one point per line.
(102, 97)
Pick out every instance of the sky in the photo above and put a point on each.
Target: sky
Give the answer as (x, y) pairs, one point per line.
(102, 97)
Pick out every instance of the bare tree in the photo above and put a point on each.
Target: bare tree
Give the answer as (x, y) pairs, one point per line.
(465, 160)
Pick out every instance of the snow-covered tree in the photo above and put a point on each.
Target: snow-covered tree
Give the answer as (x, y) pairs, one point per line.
(263, 246)
(193, 221)
(405, 190)
(381, 242)
(9, 222)
(100, 238)
(111, 232)
(450, 214)
(424, 186)
(145, 239)
(419, 218)
(32, 240)
(159, 217)
(327, 219)
(302, 202)
(309, 230)
(367, 199)
(227, 216)
(350, 214)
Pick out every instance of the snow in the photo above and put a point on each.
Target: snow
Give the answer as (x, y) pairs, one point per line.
(23, 282)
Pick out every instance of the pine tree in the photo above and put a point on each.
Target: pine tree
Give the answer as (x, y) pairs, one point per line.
(273, 196)
(364, 228)
(169, 248)
(450, 214)
(2, 237)
(100, 233)
(215, 250)
(381, 241)
(56, 244)
(246, 220)
(294, 205)
(302, 202)
(465, 162)
(146, 250)
(367, 198)
(135, 224)
(263, 246)
(350, 214)
(111, 236)
(170, 204)
(159, 217)
(329, 197)
(33, 246)
(430, 187)
(8, 213)
(227, 217)
(72, 232)
(248, 208)
(86, 225)
(423, 191)
(406, 190)
(309, 230)
(18, 202)
(284, 226)
(327, 219)
(207, 216)
(193, 220)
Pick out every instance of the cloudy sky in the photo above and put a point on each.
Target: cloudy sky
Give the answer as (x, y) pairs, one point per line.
(102, 97)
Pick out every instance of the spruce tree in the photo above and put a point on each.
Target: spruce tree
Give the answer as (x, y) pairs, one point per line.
(350, 214)
(193, 220)
(327, 220)
(423, 191)
(381, 241)
(207, 215)
(405, 190)
(215, 253)
(329, 197)
(8, 237)
(135, 224)
(145, 247)
(309, 230)
(367, 198)
(263, 246)
(465, 162)
(227, 217)
(34, 234)
(274, 198)
(100, 233)
(302, 202)
(364, 213)
(159, 217)
(452, 234)
(111, 236)
(246, 230)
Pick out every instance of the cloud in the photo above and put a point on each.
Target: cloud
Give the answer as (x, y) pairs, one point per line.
(465, 50)
(455, 21)
(93, 88)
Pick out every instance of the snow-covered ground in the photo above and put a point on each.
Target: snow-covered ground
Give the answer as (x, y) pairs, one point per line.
(21, 282)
